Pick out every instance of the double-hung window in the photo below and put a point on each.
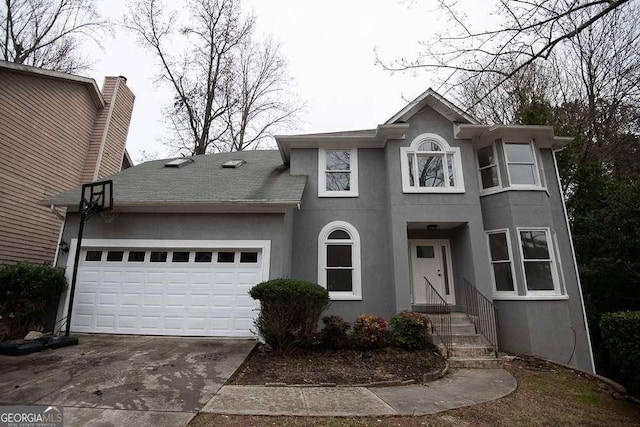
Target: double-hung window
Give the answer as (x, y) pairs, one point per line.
(430, 165)
(501, 261)
(539, 265)
(337, 172)
(518, 162)
(488, 167)
(339, 261)
(521, 164)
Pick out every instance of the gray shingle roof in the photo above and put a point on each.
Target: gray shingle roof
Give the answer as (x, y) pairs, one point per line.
(263, 179)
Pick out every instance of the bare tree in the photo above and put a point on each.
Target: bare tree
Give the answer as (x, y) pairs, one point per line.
(200, 74)
(531, 30)
(49, 34)
(590, 87)
(228, 90)
(259, 96)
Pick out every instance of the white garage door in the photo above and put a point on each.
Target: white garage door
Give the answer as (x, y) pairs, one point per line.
(167, 291)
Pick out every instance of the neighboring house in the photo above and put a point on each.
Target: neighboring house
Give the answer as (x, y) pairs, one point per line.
(367, 214)
(56, 131)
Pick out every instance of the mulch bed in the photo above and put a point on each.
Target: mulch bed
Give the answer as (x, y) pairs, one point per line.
(342, 367)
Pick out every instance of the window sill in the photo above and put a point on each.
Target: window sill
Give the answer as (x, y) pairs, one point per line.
(338, 194)
(433, 190)
(504, 189)
(530, 297)
(334, 297)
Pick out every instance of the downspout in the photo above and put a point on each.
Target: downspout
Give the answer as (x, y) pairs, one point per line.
(575, 261)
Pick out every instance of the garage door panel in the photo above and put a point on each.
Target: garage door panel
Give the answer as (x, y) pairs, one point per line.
(166, 298)
(85, 298)
(150, 300)
(198, 301)
(130, 299)
(106, 321)
(151, 323)
(222, 301)
(83, 320)
(244, 301)
(174, 300)
(127, 322)
(111, 276)
(108, 299)
(133, 277)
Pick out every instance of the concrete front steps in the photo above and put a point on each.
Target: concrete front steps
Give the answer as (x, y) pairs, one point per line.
(468, 348)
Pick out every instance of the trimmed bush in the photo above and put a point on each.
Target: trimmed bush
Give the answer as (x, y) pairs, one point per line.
(25, 290)
(335, 332)
(369, 331)
(289, 313)
(411, 330)
(621, 338)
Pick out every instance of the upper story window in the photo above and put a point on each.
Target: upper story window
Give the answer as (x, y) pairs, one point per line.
(521, 164)
(430, 165)
(337, 173)
(488, 167)
(518, 162)
(339, 261)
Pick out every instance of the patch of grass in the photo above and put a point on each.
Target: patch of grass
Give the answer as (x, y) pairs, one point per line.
(546, 395)
(588, 399)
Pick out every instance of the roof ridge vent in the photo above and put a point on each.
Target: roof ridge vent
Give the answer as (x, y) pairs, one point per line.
(178, 163)
(233, 163)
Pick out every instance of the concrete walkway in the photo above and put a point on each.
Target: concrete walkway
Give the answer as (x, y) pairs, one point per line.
(462, 387)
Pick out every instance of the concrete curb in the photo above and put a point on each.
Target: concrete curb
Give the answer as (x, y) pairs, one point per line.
(432, 376)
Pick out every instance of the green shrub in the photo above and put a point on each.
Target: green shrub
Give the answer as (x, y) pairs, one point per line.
(411, 330)
(289, 313)
(25, 290)
(621, 338)
(335, 332)
(369, 331)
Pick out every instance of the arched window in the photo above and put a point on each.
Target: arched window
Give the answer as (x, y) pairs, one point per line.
(430, 165)
(339, 261)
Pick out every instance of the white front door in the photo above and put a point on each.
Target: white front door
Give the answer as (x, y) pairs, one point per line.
(431, 259)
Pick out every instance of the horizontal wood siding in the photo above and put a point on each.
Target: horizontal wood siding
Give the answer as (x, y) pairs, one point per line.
(98, 131)
(117, 130)
(45, 127)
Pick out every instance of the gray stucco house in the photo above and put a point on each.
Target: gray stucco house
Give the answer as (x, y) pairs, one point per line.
(368, 214)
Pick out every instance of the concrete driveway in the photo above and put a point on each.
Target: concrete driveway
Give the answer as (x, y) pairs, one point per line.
(119, 380)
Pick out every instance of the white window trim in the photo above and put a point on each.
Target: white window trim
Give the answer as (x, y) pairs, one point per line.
(356, 293)
(497, 293)
(446, 149)
(508, 297)
(536, 167)
(557, 288)
(353, 181)
(495, 188)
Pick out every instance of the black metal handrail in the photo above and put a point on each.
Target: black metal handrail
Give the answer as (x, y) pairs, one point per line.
(482, 312)
(441, 315)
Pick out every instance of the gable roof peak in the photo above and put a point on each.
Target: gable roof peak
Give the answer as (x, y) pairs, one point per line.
(436, 101)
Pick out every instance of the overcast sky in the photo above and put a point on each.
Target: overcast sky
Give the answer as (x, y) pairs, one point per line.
(329, 46)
